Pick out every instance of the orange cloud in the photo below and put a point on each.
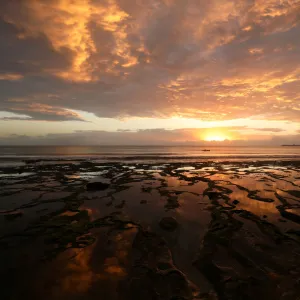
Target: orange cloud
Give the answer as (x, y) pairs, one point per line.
(211, 60)
(11, 76)
(66, 24)
(38, 111)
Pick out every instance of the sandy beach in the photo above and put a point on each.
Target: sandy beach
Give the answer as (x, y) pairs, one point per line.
(227, 230)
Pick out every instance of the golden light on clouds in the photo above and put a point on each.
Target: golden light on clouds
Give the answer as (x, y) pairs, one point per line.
(212, 61)
(67, 25)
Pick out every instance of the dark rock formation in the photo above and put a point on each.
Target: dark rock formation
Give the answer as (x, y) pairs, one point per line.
(97, 186)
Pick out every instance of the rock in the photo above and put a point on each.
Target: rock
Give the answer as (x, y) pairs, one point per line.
(235, 202)
(294, 193)
(264, 216)
(143, 201)
(13, 215)
(168, 223)
(97, 186)
(162, 265)
(213, 195)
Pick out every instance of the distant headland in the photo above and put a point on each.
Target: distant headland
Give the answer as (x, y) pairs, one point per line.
(293, 145)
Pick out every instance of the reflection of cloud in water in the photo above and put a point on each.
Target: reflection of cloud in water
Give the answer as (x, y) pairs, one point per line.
(94, 213)
(91, 175)
(95, 268)
(16, 175)
(173, 181)
(185, 169)
(81, 276)
(197, 187)
(258, 208)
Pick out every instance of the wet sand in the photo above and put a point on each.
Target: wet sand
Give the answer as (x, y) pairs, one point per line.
(227, 230)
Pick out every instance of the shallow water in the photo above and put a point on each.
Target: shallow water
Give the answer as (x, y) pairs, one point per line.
(238, 225)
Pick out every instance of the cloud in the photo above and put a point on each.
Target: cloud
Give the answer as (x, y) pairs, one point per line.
(23, 54)
(14, 118)
(40, 112)
(10, 76)
(210, 60)
(267, 129)
(159, 136)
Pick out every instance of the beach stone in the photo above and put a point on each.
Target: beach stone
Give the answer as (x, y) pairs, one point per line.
(168, 223)
(143, 201)
(97, 186)
(235, 202)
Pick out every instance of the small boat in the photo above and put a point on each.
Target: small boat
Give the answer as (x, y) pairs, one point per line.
(205, 150)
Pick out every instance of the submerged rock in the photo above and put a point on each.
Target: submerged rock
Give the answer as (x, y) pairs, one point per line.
(168, 223)
(97, 186)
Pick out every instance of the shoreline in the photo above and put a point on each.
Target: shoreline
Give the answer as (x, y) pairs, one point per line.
(24, 160)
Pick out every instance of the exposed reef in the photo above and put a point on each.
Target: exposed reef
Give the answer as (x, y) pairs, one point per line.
(81, 229)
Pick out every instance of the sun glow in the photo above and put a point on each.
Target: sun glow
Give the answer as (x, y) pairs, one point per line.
(216, 138)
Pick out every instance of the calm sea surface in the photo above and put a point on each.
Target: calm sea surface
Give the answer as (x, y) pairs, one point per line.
(147, 153)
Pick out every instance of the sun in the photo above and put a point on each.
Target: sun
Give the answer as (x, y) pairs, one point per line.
(214, 135)
(215, 138)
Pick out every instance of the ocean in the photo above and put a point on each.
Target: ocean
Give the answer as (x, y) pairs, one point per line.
(147, 154)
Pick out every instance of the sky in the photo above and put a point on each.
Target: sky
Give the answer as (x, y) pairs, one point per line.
(149, 72)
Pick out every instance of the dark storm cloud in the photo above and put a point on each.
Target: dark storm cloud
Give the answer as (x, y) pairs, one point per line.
(213, 60)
